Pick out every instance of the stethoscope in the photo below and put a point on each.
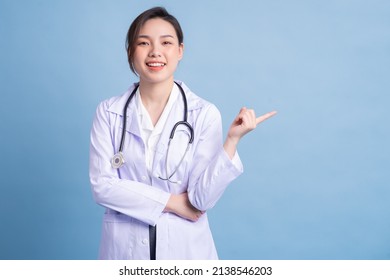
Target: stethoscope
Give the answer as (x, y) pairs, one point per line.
(118, 159)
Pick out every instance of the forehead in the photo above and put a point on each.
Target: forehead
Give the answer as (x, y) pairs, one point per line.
(157, 27)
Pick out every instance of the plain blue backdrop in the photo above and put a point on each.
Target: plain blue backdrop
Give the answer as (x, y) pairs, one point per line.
(316, 181)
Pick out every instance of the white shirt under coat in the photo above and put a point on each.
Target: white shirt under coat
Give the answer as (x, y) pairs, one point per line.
(150, 134)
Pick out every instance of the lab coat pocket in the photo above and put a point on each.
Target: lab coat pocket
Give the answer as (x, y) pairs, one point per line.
(118, 237)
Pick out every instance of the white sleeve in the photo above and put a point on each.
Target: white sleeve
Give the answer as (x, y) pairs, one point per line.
(212, 169)
(236, 161)
(132, 198)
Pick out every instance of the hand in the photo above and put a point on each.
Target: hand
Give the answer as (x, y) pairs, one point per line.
(245, 121)
(180, 205)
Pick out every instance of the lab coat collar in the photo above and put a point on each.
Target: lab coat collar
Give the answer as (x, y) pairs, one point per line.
(193, 101)
(118, 105)
(120, 101)
(176, 114)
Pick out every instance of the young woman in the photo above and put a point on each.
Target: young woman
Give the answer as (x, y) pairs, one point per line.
(157, 159)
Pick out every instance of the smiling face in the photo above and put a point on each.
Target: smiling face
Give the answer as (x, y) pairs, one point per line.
(157, 51)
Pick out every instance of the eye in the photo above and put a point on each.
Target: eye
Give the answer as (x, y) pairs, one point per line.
(142, 43)
(167, 43)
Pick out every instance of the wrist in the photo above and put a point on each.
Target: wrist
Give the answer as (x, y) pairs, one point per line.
(169, 207)
(232, 140)
(230, 146)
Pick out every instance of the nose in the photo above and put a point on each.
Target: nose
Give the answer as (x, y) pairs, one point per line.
(154, 51)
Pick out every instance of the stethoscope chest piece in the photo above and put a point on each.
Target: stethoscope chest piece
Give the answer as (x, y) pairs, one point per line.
(117, 160)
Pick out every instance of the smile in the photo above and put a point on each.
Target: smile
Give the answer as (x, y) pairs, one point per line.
(155, 64)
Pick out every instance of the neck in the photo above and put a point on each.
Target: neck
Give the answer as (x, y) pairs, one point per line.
(155, 93)
(154, 97)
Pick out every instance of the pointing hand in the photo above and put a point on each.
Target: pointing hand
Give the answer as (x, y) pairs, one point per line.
(245, 121)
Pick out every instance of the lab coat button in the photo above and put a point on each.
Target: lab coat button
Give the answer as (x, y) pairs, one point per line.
(145, 241)
(143, 178)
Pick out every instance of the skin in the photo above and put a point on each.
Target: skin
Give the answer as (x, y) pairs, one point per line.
(156, 56)
(157, 43)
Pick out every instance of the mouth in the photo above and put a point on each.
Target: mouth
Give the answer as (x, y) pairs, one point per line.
(155, 64)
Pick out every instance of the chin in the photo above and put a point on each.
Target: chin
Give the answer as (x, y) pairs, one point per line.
(156, 79)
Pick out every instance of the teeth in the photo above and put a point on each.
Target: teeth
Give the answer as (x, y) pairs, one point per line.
(156, 64)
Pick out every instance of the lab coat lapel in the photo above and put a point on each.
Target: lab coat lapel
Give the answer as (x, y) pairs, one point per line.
(132, 125)
(117, 107)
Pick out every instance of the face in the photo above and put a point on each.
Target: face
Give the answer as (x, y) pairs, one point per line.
(157, 51)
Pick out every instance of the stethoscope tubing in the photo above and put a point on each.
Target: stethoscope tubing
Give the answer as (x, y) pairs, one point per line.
(118, 158)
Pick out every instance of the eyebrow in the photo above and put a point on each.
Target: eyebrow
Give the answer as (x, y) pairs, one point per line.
(162, 36)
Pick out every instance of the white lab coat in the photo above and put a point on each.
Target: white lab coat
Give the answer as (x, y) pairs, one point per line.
(135, 199)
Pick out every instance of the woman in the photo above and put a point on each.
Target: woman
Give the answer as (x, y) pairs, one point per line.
(157, 191)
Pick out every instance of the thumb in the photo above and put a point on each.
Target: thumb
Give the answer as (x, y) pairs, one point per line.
(242, 110)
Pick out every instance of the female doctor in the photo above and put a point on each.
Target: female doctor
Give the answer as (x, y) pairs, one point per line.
(157, 162)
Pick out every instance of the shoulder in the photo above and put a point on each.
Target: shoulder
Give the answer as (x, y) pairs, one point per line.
(202, 114)
(116, 103)
(197, 103)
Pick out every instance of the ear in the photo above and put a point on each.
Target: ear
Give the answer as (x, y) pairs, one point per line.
(181, 51)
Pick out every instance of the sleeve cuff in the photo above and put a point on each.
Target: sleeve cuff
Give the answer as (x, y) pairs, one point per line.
(235, 162)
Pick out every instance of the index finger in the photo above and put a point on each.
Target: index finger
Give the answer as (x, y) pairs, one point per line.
(265, 116)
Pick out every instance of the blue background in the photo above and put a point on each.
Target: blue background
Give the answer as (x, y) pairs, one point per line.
(316, 182)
